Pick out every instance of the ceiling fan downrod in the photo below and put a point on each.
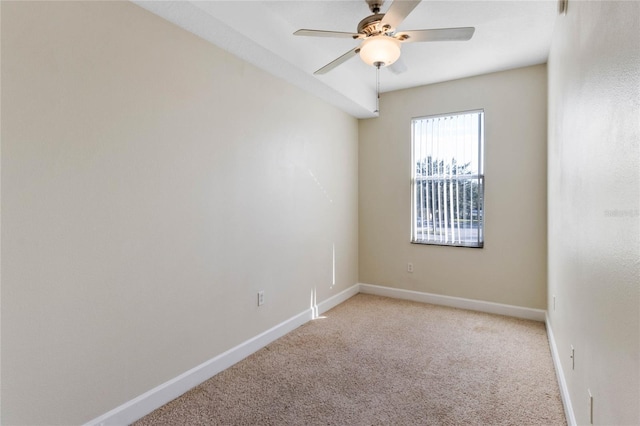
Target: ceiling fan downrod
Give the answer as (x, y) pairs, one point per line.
(375, 5)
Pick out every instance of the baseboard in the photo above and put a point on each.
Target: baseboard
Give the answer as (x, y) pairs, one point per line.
(337, 299)
(564, 389)
(455, 302)
(155, 398)
(160, 395)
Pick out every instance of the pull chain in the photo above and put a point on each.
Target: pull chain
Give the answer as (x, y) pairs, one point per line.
(377, 64)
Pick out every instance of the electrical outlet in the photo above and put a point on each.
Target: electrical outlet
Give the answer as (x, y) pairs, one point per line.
(409, 267)
(261, 298)
(573, 358)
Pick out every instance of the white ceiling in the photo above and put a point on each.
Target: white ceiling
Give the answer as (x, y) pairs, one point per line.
(509, 34)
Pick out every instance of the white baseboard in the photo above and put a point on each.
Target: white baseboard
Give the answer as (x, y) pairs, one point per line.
(564, 389)
(337, 299)
(155, 398)
(455, 302)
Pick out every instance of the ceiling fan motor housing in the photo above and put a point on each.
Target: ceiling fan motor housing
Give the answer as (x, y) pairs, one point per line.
(371, 25)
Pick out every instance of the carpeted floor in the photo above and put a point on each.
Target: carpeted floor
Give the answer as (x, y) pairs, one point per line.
(373, 361)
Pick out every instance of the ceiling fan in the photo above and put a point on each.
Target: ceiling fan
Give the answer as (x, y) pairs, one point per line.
(381, 41)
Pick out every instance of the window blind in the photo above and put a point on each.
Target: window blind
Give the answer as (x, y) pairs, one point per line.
(448, 179)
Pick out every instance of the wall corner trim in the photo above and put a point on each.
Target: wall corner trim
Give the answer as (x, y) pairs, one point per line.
(455, 302)
(155, 398)
(564, 390)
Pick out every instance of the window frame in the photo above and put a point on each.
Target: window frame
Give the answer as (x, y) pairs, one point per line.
(479, 176)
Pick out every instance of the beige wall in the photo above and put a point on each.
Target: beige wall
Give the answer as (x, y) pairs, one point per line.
(511, 268)
(594, 203)
(151, 185)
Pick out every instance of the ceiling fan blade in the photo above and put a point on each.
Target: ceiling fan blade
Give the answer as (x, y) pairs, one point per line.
(398, 67)
(321, 33)
(344, 58)
(438, 34)
(399, 10)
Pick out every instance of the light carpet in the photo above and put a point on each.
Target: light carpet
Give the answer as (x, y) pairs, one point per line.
(374, 360)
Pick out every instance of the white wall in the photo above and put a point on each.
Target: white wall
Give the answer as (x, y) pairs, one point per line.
(151, 185)
(511, 268)
(594, 203)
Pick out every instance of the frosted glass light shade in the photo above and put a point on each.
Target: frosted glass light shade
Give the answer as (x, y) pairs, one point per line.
(380, 48)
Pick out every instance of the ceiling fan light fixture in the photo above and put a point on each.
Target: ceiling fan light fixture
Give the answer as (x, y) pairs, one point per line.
(380, 50)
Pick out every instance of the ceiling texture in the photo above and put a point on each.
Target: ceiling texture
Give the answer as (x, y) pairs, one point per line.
(509, 34)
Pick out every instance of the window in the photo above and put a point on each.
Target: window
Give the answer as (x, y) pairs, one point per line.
(447, 182)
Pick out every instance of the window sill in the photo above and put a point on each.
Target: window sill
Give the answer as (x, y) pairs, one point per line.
(421, 243)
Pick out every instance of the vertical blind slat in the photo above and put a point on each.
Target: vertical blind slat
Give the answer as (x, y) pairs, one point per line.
(447, 179)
